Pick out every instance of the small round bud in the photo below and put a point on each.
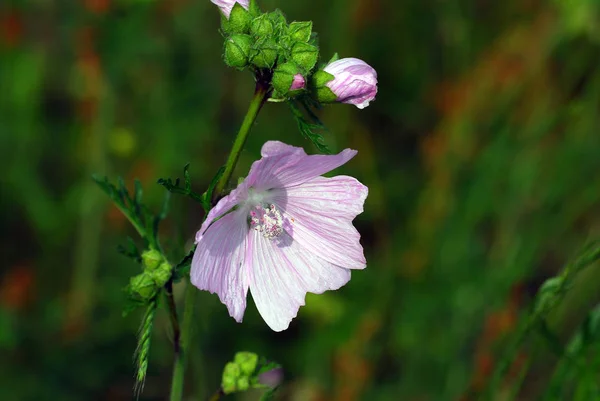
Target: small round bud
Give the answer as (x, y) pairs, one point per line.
(229, 385)
(278, 19)
(305, 55)
(237, 50)
(247, 362)
(283, 77)
(239, 20)
(298, 83)
(262, 26)
(151, 259)
(300, 31)
(232, 369)
(271, 378)
(243, 383)
(231, 374)
(162, 274)
(143, 286)
(266, 54)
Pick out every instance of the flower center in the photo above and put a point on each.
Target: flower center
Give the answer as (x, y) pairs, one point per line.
(266, 220)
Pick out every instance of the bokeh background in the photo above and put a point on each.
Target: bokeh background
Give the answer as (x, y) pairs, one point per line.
(481, 153)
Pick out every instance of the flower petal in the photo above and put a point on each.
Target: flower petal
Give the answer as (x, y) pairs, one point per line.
(277, 148)
(219, 265)
(355, 82)
(225, 204)
(282, 272)
(319, 215)
(284, 165)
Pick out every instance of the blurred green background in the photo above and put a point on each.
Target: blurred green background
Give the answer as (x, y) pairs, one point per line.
(481, 153)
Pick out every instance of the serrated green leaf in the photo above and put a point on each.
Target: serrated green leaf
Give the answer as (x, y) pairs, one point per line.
(308, 129)
(131, 251)
(175, 188)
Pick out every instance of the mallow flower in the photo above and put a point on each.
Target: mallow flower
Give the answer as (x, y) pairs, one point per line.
(354, 81)
(283, 232)
(227, 5)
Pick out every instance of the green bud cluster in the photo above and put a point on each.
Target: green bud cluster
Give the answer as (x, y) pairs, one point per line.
(156, 272)
(239, 375)
(266, 41)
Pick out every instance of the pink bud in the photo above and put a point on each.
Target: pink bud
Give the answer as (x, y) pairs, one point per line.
(271, 378)
(298, 83)
(354, 82)
(227, 5)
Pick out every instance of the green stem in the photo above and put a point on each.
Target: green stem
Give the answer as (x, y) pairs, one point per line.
(260, 96)
(181, 353)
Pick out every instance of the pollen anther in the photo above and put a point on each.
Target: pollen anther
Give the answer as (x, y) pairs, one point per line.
(267, 220)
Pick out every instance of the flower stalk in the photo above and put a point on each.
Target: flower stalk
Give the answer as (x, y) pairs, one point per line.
(261, 93)
(183, 349)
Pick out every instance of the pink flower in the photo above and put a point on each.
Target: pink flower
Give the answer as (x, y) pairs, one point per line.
(298, 83)
(283, 232)
(227, 5)
(354, 82)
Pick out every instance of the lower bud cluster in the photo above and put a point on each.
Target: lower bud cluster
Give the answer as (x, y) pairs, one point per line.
(249, 371)
(156, 272)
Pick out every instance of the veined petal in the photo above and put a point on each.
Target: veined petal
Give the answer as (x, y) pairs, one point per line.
(284, 165)
(282, 272)
(219, 264)
(320, 213)
(225, 204)
(340, 196)
(277, 148)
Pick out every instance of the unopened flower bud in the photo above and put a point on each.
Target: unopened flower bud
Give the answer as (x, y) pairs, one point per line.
(231, 374)
(229, 385)
(143, 286)
(162, 274)
(283, 77)
(305, 55)
(247, 362)
(237, 50)
(262, 26)
(239, 20)
(277, 18)
(243, 383)
(300, 31)
(354, 82)
(298, 82)
(266, 54)
(227, 5)
(151, 259)
(271, 378)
